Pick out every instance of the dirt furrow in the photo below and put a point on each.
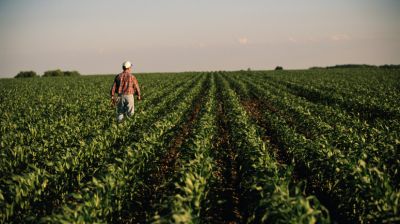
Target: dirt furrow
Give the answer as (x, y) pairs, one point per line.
(225, 195)
(255, 109)
(156, 179)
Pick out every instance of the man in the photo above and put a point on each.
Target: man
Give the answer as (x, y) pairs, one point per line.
(125, 85)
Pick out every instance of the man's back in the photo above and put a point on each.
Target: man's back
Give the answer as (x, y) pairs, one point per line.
(125, 84)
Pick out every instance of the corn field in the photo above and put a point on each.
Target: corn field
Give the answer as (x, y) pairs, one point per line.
(300, 146)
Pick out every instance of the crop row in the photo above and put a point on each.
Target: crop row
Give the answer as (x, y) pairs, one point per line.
(375, 143)
(108, 195)
(265, 185)
(63, 171)
(358, 190)
(368, 86)
(191, 184)
(248, 147)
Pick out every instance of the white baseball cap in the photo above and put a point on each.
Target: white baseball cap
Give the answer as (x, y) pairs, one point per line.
(126, 64)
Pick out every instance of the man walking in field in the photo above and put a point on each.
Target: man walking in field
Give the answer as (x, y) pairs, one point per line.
(125, 86)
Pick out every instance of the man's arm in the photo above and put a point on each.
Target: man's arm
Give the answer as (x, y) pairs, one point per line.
(112, 93)
(137, 88)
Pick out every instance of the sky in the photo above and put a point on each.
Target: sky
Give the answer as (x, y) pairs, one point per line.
(96, 36)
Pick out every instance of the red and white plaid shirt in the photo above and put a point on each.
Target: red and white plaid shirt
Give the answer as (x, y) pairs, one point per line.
(125, 84)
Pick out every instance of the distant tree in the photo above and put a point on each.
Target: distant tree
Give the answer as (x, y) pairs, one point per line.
(390, 66)
(58, 72)
(352, 66)
(278, 68)
(53, 73)
(71, 73)
(316, 67)
(245, 72)
(26, 74)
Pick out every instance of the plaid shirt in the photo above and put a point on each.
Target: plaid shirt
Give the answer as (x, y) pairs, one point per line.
(125, 84)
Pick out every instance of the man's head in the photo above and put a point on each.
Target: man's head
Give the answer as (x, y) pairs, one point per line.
(126, 65)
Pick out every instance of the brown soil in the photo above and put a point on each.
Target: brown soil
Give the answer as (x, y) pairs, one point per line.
(254, 108)
(224, 195)
(164, 169)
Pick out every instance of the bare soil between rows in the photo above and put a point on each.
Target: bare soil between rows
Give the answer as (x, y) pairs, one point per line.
(225, 193)
(255, 109)
(163, 170)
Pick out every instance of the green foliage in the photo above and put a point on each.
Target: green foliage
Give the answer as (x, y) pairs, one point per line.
(390, 66)
(358, 66)
(53, 73)
(327, 135)
(26, 74)
(71, 73)
(310, 140)
(58, 73)
(265, 184)
(353, 66)
(194, 180)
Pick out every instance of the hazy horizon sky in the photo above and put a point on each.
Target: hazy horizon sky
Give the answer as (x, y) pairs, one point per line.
(96, 36)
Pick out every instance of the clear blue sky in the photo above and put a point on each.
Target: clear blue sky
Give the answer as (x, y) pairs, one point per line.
(96, 36)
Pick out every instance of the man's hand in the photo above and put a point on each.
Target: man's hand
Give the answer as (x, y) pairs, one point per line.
(113, 101)
(139, 98)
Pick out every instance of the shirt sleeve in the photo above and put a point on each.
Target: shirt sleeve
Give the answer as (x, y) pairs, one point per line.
(136, 85)
(113, 88)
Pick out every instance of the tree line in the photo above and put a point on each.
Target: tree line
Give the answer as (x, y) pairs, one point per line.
(50, 73)
(359, 66)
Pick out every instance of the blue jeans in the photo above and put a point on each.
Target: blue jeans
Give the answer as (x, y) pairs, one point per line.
(125, 106)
